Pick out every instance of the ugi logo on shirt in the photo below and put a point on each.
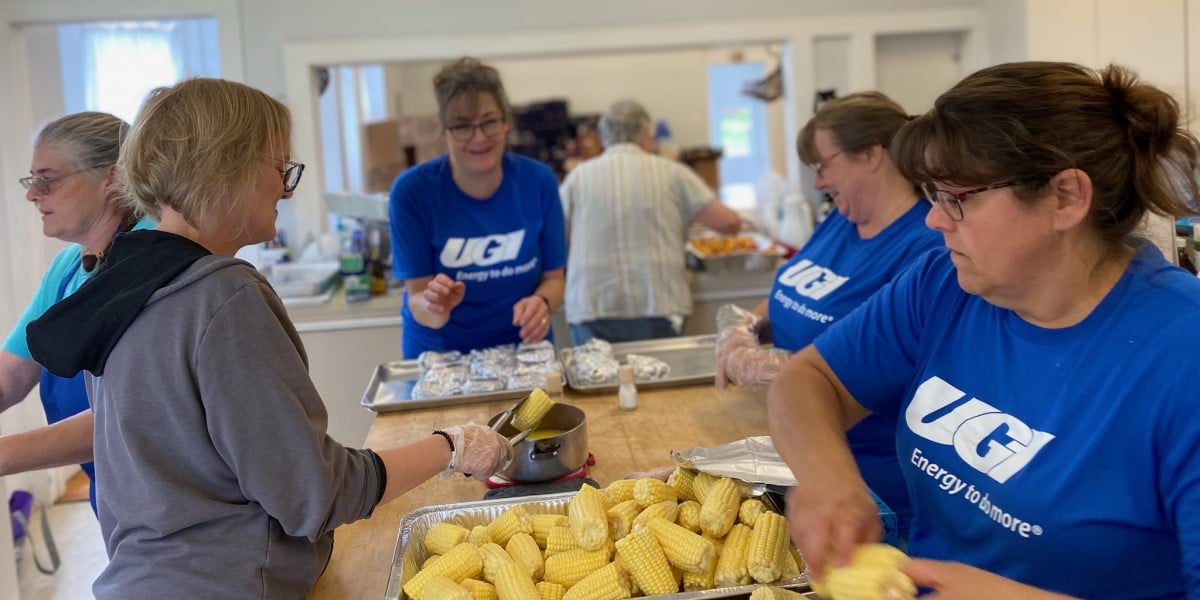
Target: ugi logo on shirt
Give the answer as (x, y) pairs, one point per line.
(811, 281)
(994, 443)
(482, 251)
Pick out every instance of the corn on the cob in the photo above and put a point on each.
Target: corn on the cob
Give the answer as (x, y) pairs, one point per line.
(689, 515)
(586, 513)
(620, 518)
(560, 539)
(647, 564)
(479, 535)
(720, 507)
(768, 542)
(532, 410)
(543, 523)
(567, 568)
(666, 509)
(701, 484)
(749, 510)
(440, 587)
(684, 549)
(792, 564)
(731, 566)
(480, 590)
(461, 562)
(649, 490)
(433, 558)
(513, 520)
(607, 583)
(443, 536)
(766, 592)
(869, 583)
(694, 582)
(681, 479)
(493, 557)
(548, 590)
(514, 583)
(879, 556)
(619, 491)
(526, 553)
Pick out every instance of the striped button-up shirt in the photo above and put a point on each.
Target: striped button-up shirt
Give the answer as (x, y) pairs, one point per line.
(628, 213)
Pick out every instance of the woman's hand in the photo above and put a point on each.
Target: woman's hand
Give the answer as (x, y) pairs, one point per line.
(532, 315)
(828, 521)
(443, 294)
(478, 451)
(953, 580)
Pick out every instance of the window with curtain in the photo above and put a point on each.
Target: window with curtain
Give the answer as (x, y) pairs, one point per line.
(111, 66)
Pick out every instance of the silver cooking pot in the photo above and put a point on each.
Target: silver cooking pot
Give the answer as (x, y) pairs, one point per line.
(535, 461)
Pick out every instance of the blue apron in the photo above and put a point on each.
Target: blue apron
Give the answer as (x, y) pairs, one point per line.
(63, 397)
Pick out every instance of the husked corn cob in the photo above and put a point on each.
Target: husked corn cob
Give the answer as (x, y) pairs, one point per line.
(681, 479)
(768, 543)
(766, 592)
(480, 590)
(440, 587)
(694, 582)
(432, 559)
(646, 563)
(649, 490)
(587, 515)
(731, 566)
(479, 535)
(792, 564)
(532, 410)
(621, 516)
(689, 515)
(441, 537)
(607, 583)
(461, 562)
(619, 491)
(750, 509)
(548, 590)
(667, 509)
(493, 557)
(542, 525)
(514, 583)
(560, 539)
(567, 568)
(701, 483)
(878, 555)
(869, 583)
(684, 549)
(526, 553)
(513, 520)
(720, 507)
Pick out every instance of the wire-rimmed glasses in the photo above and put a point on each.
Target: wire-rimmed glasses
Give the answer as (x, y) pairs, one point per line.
(820, 165)
(42, 184)
(463, 132)
(290, 174)
(951, 202)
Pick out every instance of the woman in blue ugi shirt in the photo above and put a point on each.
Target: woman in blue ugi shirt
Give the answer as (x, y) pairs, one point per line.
(1041, 368)
(477, 234)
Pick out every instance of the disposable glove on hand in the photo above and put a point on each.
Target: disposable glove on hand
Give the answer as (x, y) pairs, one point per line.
(478, 451)
(735, 331)
(753, 367)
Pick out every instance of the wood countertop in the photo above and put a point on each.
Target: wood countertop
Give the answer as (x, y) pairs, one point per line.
(622, 442)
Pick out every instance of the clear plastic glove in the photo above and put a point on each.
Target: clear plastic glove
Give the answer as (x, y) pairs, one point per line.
(735, 331)
(752, 367)
(478, 451)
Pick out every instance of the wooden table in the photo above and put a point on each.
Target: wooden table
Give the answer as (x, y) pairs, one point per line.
(622, 442)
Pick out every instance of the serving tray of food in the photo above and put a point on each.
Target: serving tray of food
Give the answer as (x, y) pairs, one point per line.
(666, 362)
(749, 252)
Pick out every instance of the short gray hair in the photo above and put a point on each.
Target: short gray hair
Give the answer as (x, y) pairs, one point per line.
(624, 122)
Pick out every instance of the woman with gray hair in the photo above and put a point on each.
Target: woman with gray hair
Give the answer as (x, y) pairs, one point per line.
(626, 271)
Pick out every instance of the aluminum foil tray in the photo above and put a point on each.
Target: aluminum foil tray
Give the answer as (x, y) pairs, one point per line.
(410, 553)
(391, 388)
(693, 360)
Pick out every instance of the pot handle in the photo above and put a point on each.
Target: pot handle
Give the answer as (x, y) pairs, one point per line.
(545, 449)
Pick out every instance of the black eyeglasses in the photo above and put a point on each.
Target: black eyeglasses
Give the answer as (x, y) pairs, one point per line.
(290, 174)
(42, 184)
(951, 202)
(465, 131)
(820, 165)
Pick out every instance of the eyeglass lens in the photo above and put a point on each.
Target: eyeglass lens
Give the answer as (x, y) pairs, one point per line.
(466, 131)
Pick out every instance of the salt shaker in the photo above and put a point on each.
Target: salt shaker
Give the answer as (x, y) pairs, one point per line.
(553, 385)
(627, 391)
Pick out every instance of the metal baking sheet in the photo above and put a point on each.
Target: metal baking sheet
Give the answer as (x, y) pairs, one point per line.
(410, 553)
(391, 387)
(693, 360)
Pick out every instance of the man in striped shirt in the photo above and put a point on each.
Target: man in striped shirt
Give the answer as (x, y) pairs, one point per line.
(627, 214)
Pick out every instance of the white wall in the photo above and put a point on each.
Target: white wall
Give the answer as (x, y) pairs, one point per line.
(915, 68)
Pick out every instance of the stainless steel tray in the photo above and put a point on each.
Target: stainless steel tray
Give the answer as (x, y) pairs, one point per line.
(693, 360)
(392, 383)
(410, 553)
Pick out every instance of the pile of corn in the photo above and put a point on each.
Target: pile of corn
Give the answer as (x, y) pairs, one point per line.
(638, 537)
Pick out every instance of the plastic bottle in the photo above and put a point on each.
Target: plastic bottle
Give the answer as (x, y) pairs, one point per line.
(627, 390)
(797, 224)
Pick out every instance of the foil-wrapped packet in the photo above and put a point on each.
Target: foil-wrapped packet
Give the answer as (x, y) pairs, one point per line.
(481, 386)
(751, 459)
(535, 352)
(441, 381)
(430, 359)
(647, 368)
(592, 363)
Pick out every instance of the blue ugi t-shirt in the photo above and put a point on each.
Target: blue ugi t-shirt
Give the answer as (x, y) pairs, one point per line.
(1069, 458)
(499, 247)
(834, 273)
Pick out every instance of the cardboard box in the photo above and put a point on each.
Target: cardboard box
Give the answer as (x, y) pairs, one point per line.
(707, 169)
(415, 130)
(383, 155)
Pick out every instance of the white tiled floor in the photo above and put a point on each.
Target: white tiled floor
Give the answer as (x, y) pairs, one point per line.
(80, 548)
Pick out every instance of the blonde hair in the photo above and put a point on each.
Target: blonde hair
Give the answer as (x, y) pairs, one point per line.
(194, 147)
(468, 77)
